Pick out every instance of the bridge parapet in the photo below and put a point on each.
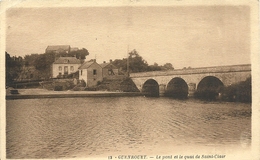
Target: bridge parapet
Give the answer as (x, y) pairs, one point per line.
(216, 69)
(189, 79)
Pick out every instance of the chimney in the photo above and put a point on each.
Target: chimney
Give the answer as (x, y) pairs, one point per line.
(110, 60)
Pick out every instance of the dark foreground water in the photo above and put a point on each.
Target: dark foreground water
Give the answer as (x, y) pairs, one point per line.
(100, 127)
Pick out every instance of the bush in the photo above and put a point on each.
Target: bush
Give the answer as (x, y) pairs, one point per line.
(240, 92)
(58, 88)
(90, 89)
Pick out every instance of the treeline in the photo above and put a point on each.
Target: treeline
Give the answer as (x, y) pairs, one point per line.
(43, 61)
(40, 62)
(13, 66)
(136, 63)
(240, 92)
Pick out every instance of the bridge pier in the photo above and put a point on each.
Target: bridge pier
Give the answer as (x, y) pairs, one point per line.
(162, 88)
(192, 88)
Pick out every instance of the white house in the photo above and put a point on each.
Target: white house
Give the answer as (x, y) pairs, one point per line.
(64, 66)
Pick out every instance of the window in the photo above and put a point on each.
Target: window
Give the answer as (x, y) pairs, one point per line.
(66, 70)
(94, 72)
(71, 68)
(110, 72)
(81, 72)
(60, 68)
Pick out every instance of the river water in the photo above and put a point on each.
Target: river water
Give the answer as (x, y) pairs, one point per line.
(100, 127)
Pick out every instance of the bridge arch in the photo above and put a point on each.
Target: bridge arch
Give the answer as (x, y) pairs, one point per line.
(209, 88)
(177, 88)
(151, 88)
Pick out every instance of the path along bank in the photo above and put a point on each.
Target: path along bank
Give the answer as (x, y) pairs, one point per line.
(42, 93)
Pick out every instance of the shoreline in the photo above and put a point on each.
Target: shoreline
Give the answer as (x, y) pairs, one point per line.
(41, 93)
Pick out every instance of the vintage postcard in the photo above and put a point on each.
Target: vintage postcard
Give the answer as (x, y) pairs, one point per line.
(130, 79)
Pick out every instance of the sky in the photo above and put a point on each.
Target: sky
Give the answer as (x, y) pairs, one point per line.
(195, 36)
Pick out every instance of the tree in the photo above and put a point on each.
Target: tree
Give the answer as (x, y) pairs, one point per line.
(154, 67)
(121, 64)
(167, 66)
(30, 59)
(79, 54)
(13, 67)
(136, 62)
(44, 61)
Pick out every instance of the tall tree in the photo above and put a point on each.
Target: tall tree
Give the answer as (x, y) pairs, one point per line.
(13, 66)
(136, 62)
(43, 63)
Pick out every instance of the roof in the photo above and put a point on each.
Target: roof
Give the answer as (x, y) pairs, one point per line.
(103, 65)
(67, 60)
(74, 49)
(86, 65)
(58, 47)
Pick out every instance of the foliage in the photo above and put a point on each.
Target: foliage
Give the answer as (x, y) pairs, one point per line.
(154, 67)
(62, 85)
(79, 54)
(240, 92)
(29, 60)
(121, 64)
(43, 63)
(138, 64)
(167, 66)
(13, 67)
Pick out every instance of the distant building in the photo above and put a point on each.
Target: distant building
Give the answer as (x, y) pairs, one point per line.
(64, 66)
(108, 69)
(91, 73)
(58, 49)
(74, 49)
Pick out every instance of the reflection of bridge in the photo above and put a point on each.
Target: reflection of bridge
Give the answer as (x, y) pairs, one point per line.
(186, 81)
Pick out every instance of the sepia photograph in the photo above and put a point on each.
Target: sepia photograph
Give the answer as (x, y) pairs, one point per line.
(130, 79)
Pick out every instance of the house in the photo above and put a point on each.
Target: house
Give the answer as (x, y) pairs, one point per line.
(64, 66)
(91, 73)
(58, 49)
(108, 69)
(74, 49)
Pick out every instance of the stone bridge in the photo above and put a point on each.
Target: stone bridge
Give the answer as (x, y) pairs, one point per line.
(187, 81)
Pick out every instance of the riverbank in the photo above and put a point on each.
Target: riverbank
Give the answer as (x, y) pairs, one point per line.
(43, 93)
